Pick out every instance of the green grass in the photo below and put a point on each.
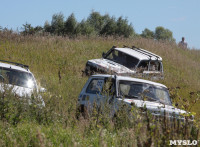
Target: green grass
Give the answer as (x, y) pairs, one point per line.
(52, 57)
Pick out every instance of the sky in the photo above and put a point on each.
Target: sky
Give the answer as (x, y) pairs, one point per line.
(182, 17)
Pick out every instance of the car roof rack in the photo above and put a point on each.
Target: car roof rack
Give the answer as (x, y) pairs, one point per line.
(17, 64)
(145, 52)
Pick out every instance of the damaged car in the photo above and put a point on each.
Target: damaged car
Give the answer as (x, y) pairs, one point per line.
(127, 61)
(17, 78)
(142, 94)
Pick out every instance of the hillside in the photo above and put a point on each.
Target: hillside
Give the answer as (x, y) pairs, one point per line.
(52, 57)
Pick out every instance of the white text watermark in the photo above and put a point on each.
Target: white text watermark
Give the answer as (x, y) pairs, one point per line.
(183, 142)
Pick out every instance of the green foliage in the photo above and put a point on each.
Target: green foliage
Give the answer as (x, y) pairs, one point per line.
(85, 28)
(71, 26)
(110, 28)
(163, 34)
(14, 109)
(38, 29)
(28, 29)
(96, 24)
(47, 27)
(57, 24)
(96, 21)
(123, 29)
(160, 33)
(147, 34)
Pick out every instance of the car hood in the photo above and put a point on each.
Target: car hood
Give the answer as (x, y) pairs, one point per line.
(18, 90)
(155, 107)
(107, 65)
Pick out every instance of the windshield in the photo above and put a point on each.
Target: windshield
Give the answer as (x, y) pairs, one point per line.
(122, 58)
(148, 92)
(15, 77)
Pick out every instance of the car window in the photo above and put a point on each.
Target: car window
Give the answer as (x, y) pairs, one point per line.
(143, 66)
(15, 77)
(154, 66)
(95, 86)
(124, 89)
(122, 58)
(130, 89)
(131, 62)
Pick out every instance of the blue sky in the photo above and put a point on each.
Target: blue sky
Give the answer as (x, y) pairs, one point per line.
(182, 17)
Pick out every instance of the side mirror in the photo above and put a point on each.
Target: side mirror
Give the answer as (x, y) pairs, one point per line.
(103, 54)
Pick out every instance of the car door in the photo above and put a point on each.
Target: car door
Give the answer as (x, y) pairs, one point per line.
(92, 94)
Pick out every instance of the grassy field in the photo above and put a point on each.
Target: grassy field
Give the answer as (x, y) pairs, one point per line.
(57, 64)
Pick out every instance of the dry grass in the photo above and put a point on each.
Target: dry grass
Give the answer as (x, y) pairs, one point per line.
(58, 62)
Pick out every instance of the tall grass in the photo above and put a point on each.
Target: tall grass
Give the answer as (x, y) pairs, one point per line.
(57, 64)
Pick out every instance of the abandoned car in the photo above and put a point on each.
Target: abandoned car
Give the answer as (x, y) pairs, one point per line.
(19, 79)
(125, 61)
(140, 93)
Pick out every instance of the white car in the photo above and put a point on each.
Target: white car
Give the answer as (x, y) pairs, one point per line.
(127, 61)
(19, 79)
(132, 91)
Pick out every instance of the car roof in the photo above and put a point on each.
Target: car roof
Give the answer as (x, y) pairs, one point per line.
(6, 65)
(130, 79)
(139, 53)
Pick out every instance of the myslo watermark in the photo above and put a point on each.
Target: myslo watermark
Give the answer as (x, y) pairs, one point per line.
(183, 142)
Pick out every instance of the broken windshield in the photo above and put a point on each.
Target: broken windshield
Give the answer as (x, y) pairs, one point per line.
(135, 90)
(122, 58)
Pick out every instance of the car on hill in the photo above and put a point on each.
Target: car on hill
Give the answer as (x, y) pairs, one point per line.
(127, 61)
(19, 79)
(132, 91)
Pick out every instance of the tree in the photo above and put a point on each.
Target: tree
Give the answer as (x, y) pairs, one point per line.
(57, 24)
(110, 28)
(47, 27)
(94, 25)
(28, 29)
(163, 34)
(85, 28)
(38, 29)
(147, 34)
(96, 20)
(123, 28)
(71, 26)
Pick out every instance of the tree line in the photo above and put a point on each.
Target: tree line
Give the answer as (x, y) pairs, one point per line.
(95, 25)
